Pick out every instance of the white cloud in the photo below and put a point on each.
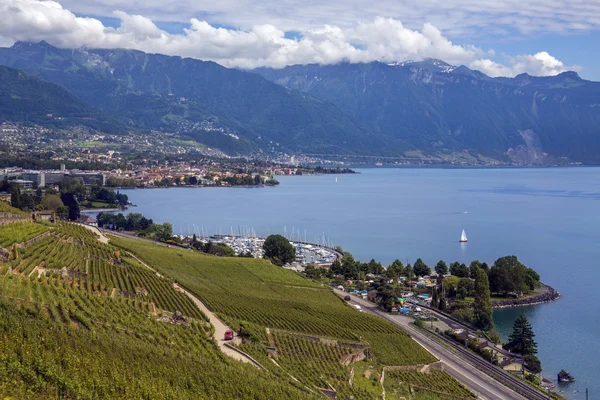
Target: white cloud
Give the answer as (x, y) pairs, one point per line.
(454, 17)
(384, 39)
(539, 64)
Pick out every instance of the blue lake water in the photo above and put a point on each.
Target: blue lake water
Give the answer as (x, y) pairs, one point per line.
(549, 218)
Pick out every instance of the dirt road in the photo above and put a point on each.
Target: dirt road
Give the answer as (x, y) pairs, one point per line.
(220, 327)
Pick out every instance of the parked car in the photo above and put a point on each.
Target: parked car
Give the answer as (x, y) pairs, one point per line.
(228, 335)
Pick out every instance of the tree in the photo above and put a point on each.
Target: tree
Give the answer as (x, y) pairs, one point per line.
(395, 270)
(51, 202)
(71, 203)
(473, 268)
(435, 302)
(521, 340)
(533, 364)
(62, 212)
(420, 268)
(15, 196)
(441, 268)
(409, 271)
(482, 306)
(509, 275)
(460, 270)
(164, 232)
(279, 250)
(442, 305)
(450, 284)
(466, 287)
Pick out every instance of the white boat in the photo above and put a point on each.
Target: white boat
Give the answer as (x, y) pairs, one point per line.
(463, 237)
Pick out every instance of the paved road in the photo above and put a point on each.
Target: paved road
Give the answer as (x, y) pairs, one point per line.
(475, 380)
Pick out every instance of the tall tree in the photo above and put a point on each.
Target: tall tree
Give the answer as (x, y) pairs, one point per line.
(473, 268)
(420, 268)
(521, 340)
(15, 196)
(482, 306)
(441, 268)
(460, 270)
(71, 203)
(279, 250)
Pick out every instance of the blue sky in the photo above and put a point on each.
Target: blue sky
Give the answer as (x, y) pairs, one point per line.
(540, 37)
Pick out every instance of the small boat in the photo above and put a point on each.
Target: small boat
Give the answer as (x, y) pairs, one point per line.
(336, 179)
(463, 237)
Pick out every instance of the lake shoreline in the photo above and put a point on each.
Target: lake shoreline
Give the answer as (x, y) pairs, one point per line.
(548, 295)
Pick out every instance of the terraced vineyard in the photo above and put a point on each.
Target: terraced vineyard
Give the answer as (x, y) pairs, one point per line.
(82, 330)
(242, 290)
(401, 384)
(20, 232)
(75, 251)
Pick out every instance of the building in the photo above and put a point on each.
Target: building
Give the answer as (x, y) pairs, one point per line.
(90, 178)
(512, 365)
(25, 184)
(87, 220)
(52, 177)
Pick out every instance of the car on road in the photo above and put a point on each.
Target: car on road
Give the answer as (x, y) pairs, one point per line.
(347, 298)
(228, 335)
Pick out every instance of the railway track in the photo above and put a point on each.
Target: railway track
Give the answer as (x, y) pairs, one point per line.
(494, 372)
(462, 355)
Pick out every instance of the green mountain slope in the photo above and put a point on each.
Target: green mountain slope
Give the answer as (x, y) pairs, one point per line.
(151, 91)
(24, 98)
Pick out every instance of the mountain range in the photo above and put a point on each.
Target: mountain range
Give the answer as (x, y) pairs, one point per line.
(438, 108)
(237, 111)
(418, 109)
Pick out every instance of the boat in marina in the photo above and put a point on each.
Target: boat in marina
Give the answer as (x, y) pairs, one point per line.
(463, 237)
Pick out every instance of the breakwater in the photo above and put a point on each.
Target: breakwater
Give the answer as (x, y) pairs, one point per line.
(547, 295)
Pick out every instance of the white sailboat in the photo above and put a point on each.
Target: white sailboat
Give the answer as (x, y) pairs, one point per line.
(463, 237)
(336, 179)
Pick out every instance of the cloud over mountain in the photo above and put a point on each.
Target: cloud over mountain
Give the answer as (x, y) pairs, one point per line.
(383, 39)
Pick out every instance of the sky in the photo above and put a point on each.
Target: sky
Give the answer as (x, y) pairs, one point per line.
(499, 38)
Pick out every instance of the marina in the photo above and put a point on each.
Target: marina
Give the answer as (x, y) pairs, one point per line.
(321, 254)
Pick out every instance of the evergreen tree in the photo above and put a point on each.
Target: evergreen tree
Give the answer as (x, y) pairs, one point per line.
(420, 268)
(434, 298)
(441, 268)
(482, 306)
(15, 196)
(442, 305)
(521, 340)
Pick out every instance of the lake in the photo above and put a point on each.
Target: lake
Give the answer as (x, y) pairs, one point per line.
(548, 217)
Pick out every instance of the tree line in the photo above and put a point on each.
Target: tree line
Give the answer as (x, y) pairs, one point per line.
(136, 222)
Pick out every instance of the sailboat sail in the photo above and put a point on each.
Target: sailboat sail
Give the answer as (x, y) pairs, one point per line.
(463, 236)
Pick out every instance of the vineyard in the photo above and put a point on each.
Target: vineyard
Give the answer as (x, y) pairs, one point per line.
(73, 252)
(423, 385)
(265, 296)
(85, 326)
(20, 232)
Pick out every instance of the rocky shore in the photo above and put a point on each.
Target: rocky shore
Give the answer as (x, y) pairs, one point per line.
(546, 295)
